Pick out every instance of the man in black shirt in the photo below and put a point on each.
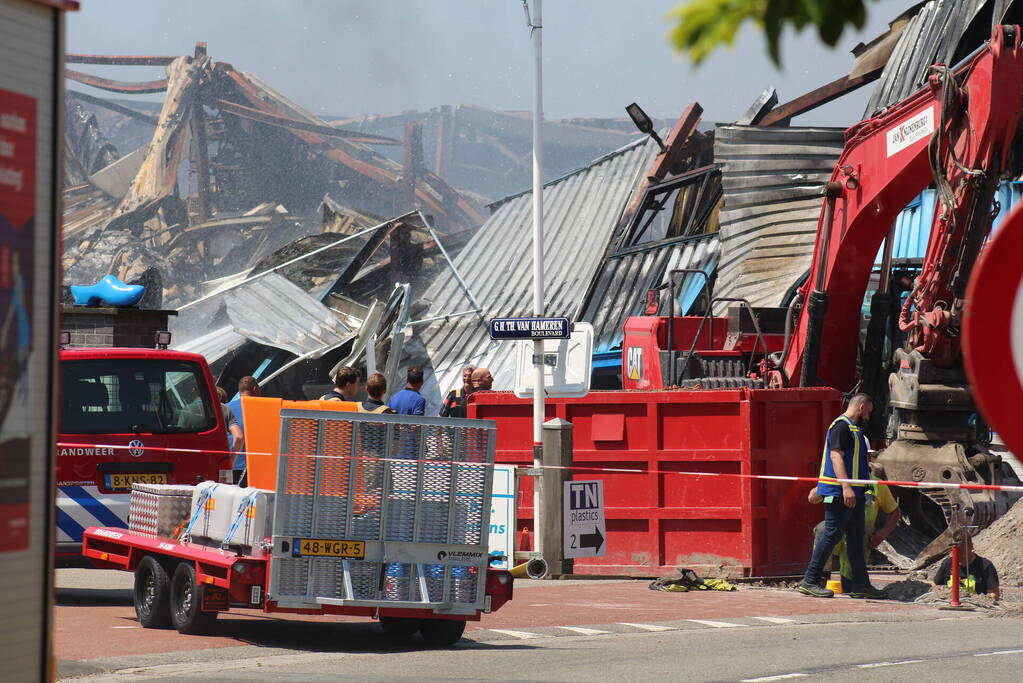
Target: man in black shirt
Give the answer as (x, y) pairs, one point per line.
(978, 576)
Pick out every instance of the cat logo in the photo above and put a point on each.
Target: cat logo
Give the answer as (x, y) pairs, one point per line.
(634, 365)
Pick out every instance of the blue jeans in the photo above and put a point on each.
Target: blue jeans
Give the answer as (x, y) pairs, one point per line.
(840, 521)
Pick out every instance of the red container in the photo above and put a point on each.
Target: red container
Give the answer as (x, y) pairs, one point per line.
(657, 521)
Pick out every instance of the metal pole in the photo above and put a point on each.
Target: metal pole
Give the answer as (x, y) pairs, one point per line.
(536, 25)
(954, 597)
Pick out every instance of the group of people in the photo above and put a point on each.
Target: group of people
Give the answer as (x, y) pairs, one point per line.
(859, 516)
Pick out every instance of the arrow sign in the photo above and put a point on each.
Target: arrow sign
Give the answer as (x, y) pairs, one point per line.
(584, 528)
(594, 540)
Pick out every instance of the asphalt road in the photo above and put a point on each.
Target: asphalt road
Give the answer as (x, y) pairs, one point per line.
(558, 631)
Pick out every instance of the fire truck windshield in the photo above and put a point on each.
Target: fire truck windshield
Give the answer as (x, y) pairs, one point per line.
(113, 396)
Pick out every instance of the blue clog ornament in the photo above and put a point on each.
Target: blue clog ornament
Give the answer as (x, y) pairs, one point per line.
(109, 291)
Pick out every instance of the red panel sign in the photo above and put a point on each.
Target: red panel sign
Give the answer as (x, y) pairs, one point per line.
(993, 331)
(17, 264)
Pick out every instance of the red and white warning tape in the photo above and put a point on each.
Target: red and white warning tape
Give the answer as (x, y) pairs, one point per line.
(619, 470)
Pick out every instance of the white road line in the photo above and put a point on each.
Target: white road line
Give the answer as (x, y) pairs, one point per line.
(648, 627)
(715, 624)
(998, 652)
(522, 635)
(125, 627)
(878, 665)
(775, 620)
(764, 679)
(583, 630)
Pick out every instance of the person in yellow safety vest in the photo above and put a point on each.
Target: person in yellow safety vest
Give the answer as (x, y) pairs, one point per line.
(977, 576)
(879, 499)
(844, 457)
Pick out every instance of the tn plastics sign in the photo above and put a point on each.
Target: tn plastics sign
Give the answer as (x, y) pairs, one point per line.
(530, 328)
(584, 527)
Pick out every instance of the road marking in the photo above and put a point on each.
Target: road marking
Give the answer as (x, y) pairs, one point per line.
(584, 631)
(775, 620)
(878, 665)
(522, 635)
(647, 627)
(998, 652)
(715, 624)
(125, 627)
(764, 679)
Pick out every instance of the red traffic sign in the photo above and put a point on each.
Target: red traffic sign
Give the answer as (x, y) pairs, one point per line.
(993, 331)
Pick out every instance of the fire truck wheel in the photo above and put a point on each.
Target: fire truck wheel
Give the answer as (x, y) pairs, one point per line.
(152, 594)
(185, 598)
(441, 632)
(400, 628)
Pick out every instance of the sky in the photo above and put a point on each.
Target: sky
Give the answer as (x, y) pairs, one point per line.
(353, 57)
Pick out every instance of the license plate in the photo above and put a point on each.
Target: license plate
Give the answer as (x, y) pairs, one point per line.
(318, 547)
(124, 481)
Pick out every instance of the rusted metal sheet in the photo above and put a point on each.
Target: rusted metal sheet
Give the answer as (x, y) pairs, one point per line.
(120, 60)
(126, 87)
(285, 122)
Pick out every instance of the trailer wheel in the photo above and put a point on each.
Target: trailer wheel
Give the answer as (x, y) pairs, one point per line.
(442, 632)
(152, 594)
(400, 628)
(185, 598)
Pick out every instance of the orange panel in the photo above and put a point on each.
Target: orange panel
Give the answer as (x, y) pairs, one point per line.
(262, 419)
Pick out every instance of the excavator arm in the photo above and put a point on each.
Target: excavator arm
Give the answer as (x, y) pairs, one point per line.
(955, 132)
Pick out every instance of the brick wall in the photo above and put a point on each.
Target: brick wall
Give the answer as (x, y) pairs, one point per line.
(104, 327)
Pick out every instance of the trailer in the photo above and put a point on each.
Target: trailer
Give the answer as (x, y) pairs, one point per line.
(381, 516)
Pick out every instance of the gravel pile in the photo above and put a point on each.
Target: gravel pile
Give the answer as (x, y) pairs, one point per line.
(1002, 543)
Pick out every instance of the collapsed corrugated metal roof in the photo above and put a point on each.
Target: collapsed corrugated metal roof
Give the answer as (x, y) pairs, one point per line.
(942, 31)
(626, 277)
(772, 179)
(581, 211)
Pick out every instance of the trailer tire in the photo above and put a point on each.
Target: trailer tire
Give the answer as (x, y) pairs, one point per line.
(152, 594)
(400, 628)
(185, 599)
(442, 632)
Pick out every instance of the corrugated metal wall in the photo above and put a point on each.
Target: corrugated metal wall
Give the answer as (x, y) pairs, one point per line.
(932, 36)
(772, 179)
(581, 211)
(30, 44)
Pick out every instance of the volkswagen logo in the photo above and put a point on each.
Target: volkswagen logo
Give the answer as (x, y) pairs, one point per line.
(136, 448)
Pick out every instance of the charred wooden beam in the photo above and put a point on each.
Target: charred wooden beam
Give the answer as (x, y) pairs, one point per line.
(126, 87)
(445, 140)
(411, 166)
(815, 98)
(119, 60)
(201, 151)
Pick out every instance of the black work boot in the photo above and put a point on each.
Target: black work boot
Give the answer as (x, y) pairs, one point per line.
(867, 591)
(814, 590)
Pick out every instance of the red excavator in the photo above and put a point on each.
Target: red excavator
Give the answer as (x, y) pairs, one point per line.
(957, 135)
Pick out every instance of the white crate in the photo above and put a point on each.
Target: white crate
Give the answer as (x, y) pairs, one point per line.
(159, 509)
(222, 506)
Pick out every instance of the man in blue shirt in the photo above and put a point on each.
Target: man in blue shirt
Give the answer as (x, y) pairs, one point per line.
(247, 386)
(844, 457)
(409, 401)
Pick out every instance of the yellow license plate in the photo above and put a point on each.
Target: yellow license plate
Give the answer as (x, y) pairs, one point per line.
(319, 547)
(124, 481)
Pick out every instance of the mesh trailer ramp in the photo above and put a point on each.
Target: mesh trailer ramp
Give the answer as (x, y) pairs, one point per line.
(382, 511)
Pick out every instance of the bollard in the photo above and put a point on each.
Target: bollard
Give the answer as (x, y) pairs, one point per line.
(953, 600)
(557, 451)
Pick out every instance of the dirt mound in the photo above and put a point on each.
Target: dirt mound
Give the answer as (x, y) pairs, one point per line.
(1011, 611)
(907, 590)
(1002, 543)
(940, 595)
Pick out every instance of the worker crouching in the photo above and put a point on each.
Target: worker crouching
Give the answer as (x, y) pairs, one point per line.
(844, 457)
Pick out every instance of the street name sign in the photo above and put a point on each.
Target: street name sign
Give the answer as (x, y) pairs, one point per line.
(530, 328)
(585, 531)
